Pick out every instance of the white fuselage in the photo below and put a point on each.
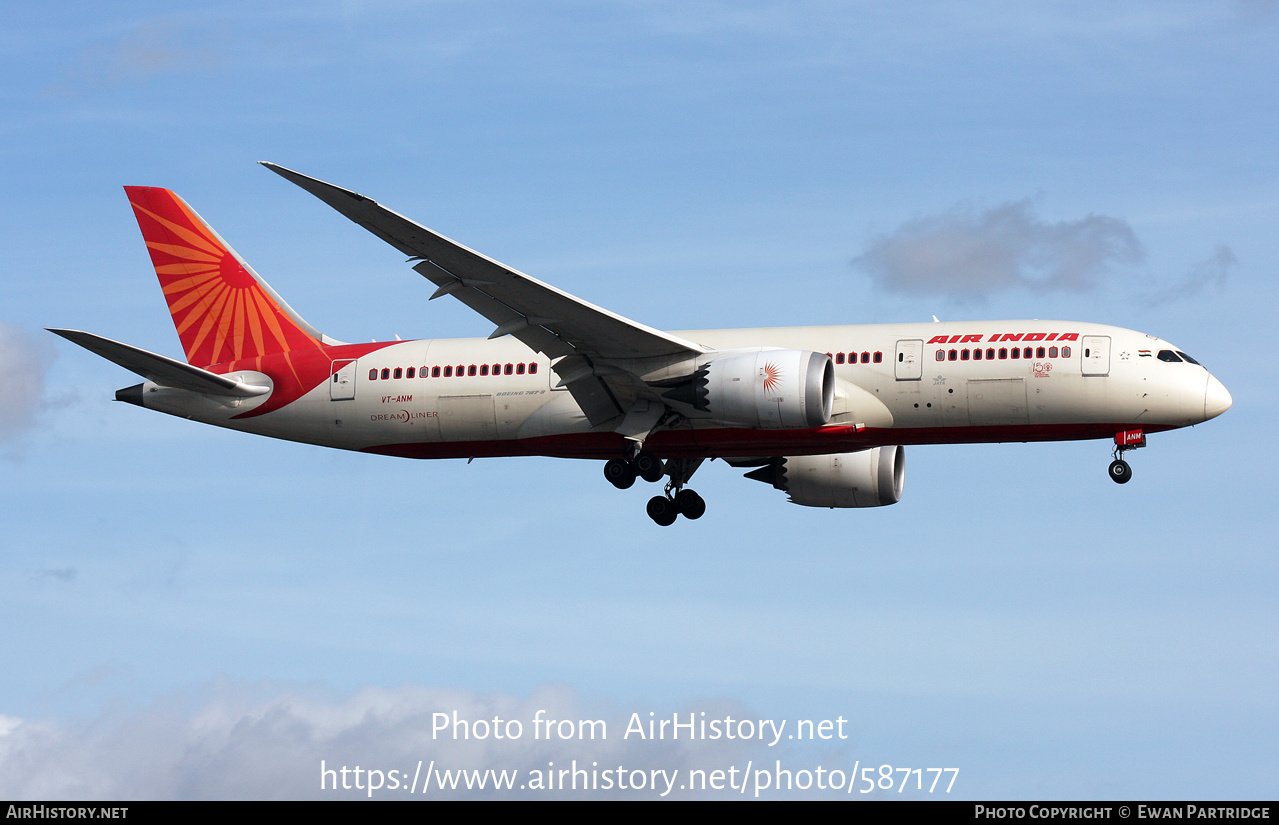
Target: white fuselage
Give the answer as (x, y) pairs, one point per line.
(892, 388)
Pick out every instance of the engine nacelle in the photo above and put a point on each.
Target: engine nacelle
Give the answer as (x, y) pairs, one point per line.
(869, 478)
(765, 389)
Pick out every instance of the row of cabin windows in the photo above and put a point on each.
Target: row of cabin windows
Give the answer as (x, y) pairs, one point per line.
(1003, 353)
(851, 358)
(452, 371)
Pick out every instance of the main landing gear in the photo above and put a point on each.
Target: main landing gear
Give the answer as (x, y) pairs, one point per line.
(676, 501)
(665, 509)
(1125, 440)
(621, 472)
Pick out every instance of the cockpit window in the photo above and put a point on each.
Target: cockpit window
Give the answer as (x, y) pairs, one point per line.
(1188, 358)
(1169, 356)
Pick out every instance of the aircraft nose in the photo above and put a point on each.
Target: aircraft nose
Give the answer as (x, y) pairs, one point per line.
(1216, 398)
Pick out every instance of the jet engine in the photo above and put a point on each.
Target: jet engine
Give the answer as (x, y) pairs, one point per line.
(766, 389)
(869, 478)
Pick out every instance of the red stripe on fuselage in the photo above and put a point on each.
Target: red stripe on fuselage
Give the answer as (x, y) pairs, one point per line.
(716, 443)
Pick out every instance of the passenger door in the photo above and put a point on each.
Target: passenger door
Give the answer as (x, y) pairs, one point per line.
(1096, 354)
(342, 385)
(909, 364)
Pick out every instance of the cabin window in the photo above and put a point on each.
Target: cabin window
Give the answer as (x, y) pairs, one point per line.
(1065, 352)
(519, 369)
(839, 358)
(963, 355)
(941, 355)
(386, 373)
(484, 369)
(448, 372)
(399, 372)
(1016, 353)
(532, 369)
(372, 375)
(508, 369)
(953, 355)
(976, 355)
(990, 354)
(865, 357)
(470, 370)
(1052, 352)
(879, 358)
(435, 372)
(1025, 353)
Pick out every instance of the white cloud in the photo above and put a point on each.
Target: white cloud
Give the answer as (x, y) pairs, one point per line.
(1211, 271)
(964, 254)
(24, 362)
(235, 747)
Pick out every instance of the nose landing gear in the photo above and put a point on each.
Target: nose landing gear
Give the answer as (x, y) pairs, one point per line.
(1125, 440)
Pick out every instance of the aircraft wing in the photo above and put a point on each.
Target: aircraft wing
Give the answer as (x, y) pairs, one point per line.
(593, 343)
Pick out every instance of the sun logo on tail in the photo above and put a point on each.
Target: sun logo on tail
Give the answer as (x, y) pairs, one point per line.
(220, 309)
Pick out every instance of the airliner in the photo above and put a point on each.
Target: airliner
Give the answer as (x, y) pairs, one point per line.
(821, 413)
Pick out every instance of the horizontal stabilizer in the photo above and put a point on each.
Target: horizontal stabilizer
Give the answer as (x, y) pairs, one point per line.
(164, 371)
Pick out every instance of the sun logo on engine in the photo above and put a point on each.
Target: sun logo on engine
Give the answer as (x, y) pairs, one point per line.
(772, 376)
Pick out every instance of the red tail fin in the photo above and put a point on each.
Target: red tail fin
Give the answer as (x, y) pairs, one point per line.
(222, 310)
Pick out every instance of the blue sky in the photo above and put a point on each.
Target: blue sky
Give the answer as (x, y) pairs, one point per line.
(196, 613)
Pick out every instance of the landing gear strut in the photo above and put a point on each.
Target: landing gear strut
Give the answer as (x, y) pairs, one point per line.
(1125, 440)
(686, 503)
(676, 501)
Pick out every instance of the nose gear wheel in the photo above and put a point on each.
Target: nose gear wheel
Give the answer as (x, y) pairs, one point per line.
(1119, 471)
